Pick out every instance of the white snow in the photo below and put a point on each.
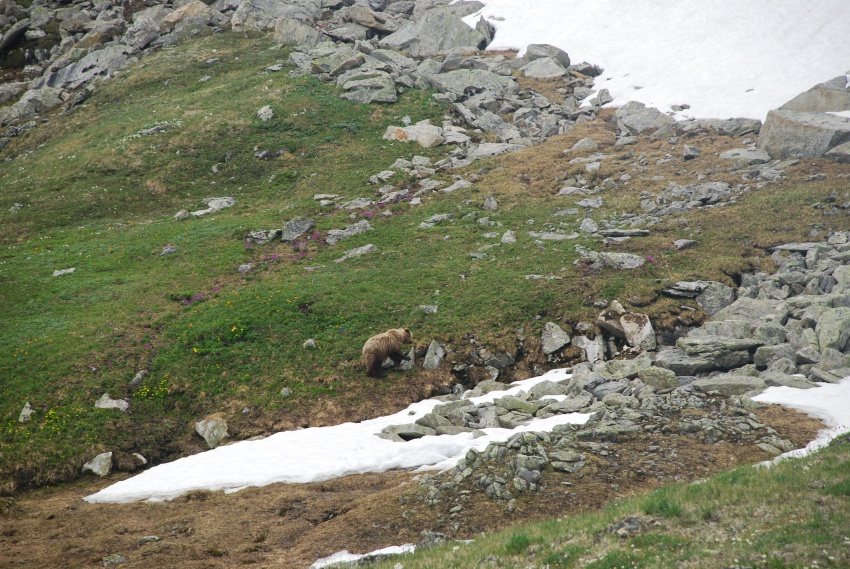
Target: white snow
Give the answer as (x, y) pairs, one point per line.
(345, 556)
(724, 58)
(322, 453)
(829, 402)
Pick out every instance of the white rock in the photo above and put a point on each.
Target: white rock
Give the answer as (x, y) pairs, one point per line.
(63, 272)
(26, 413)
(212, 429)
(99, 465)
(106, 402)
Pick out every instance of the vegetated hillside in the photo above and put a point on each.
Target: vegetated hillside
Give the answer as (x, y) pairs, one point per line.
(99, 184)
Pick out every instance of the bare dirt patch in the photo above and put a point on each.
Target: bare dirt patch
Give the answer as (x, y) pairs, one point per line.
(293, 525)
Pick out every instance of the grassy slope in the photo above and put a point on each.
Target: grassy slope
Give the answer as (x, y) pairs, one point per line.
(99, 198)
(794, 514)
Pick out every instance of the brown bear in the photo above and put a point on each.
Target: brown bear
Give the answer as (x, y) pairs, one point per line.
(382, 346)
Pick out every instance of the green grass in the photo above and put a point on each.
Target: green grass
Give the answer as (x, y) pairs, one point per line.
(773, 517)
(100, 197)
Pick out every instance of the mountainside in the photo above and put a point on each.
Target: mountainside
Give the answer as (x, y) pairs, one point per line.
(209, 236)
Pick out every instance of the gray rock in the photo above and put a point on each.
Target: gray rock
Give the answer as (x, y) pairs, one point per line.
(61, 272)
(680, 363)
(490, 204)
(636, 118)
(594, 350)
(658, 377)
(746, 156)
(265, 114)
(728, 328)
(547, 388)
(100, 465)
(572, 404)
(478, 80)
(602, 390)
(407, 432)
(295, 228)
(337, 235)
(103, 62)
(490, 149)
(244, 268)
(774, 379)
(517, 405)
(554, 338)
(697, 345)
(31, 103)
(822, 376)
(214, 205)
(338, 62)
(537, 51)
(212, 429)
(715, 297)
(840, 153)
(792, 134)
(435, 33)
(357, 252)
(288, 31)
(262, 236)
(833, 329)
(830, 96)
(143, 31)
(509, 237)
(26, 413)
(544, 68)
(370, 87)
(728, 384)
(638, 331)
(690, 152)
(585, 144)
(423, 133)
(435, 355)
(264, 14)
(620, 400)
(755, 311)
(106, 402)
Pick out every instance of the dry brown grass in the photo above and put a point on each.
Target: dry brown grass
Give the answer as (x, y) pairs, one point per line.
(293, 525)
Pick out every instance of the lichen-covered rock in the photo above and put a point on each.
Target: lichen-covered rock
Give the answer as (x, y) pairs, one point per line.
(212, 429)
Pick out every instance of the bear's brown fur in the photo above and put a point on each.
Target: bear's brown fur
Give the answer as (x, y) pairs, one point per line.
(385, 345)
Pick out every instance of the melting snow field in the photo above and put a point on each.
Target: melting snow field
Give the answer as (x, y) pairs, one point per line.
(724, 58)
(829, 402)
(321, 453)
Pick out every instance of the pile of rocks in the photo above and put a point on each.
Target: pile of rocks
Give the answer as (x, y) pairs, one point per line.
(527, 461)
(791, 328)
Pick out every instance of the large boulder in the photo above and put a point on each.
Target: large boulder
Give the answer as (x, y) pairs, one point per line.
(288, 31)
(103, 62)
(795, 134)
(755, 311)
(635, 118)
(833, 329)
(141, 33)
(433, 34)
(729, 384)
(481, 81)
(264, 14)
(830, 96)
(33, 102)
(554, 338)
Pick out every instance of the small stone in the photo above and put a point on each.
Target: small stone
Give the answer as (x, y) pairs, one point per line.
(285, 392)
(691, 152)
(114, 559)
(265, 114)
(26, 413)
(106, 402)
(490, 204)
(244, 268)
(148, 539)
(181, 215)
(168, 250)
(309, 344)
(63, 272)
